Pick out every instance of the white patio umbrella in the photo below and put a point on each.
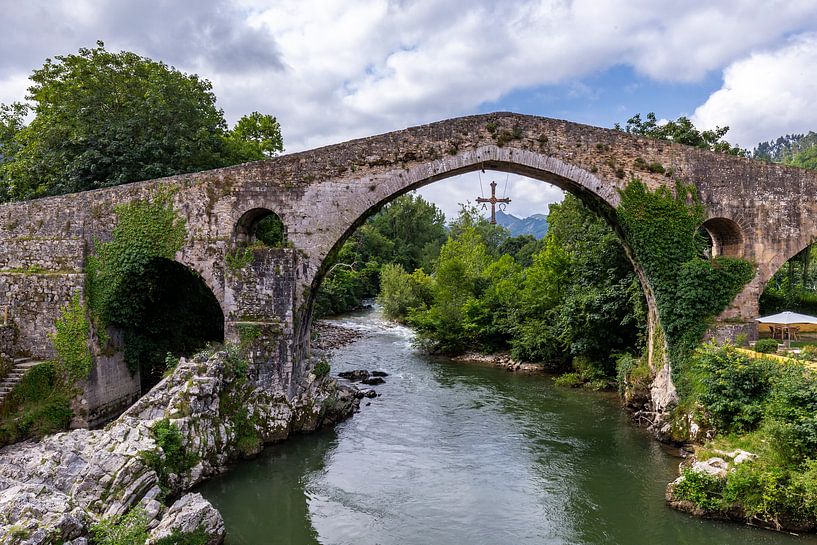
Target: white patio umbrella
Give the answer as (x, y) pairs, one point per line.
(788, 319)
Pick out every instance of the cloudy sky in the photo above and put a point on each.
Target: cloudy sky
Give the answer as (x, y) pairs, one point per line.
(332, 70)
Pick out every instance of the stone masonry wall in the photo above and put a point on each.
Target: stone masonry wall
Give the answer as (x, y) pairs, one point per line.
(35, 301)
(261, 296)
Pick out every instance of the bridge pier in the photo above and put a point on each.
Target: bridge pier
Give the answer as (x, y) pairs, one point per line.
(259, 299)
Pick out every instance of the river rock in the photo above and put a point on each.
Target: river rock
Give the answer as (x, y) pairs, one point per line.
(355, 376)
(379, 374)
(714, 466)
(51, 491)
(373, 381)
(188, 514)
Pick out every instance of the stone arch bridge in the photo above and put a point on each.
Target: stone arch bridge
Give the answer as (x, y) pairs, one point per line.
(763, 212)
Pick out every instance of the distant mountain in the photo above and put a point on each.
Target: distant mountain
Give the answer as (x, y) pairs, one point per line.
(536, 225)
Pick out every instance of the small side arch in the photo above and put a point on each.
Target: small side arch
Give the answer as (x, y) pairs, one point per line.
(726, 235)
(260, 225)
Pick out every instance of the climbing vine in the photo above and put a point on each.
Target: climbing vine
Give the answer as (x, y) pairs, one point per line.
(121, 278)
(661, 228)
(144, 231)
(71, 340)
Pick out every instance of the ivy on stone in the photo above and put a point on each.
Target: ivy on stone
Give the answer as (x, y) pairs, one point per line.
(118, 285)
(661, 229)
(71, 340)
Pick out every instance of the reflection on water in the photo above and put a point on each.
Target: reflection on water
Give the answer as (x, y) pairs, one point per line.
(460, 454)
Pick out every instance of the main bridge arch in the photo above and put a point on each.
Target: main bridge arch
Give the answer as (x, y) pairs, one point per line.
(362, 201)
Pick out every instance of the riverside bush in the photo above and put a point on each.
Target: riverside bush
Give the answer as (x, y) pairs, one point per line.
(702, 489)
(171, 456)
(732, 386)
(321, 368)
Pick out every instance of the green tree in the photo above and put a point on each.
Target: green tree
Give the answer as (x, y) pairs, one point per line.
(256, 136)
(409, 232)
(681, 131)
(402, 293)
(417, 229)
(103, 118)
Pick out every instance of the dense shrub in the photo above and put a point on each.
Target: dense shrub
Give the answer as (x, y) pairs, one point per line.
(809, 352)
(732, 386)
(791, 414)
(401, 292)
(321, 368)
(702, 489)
(766, 346)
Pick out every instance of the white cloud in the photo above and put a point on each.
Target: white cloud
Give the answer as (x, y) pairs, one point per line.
(335, 69)
(766, 95)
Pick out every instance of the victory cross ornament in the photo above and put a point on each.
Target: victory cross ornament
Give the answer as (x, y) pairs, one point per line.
(493, 200)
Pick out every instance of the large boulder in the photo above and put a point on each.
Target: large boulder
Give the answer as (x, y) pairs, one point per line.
(190, 513)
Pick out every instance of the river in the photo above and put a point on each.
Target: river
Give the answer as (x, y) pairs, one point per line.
(452, 453)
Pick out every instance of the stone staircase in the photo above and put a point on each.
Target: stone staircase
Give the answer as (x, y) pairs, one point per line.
(21, 367)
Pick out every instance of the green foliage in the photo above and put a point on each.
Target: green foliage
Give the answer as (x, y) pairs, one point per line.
(805, 158)
(574, 296)
(631, 374)
(248, 334)
(402, 293)
(116, 274)
(702, 489)
(128, 529)
(662, 230)
(239, 258)
(732, 386)
(569, 380)
(270, 231)
(809, 352)
(321, 368)
(259, 133)
(171, 456)
(784, 147)
(104, 118)
(681, 131)
(791, 414)
(71, 340)
(39, 404)
(766, 346)
(408, 231)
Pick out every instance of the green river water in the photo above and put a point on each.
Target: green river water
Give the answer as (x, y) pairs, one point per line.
(452, 453)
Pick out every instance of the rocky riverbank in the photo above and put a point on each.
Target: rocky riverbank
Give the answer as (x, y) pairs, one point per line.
(503, 360)
(329, 336)
(55, 490)
(713, 472)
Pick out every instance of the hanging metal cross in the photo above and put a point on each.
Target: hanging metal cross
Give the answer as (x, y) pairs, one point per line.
(493, 200)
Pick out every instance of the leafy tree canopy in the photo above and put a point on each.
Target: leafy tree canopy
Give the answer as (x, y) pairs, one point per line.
(104, 118)
(681, 131)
